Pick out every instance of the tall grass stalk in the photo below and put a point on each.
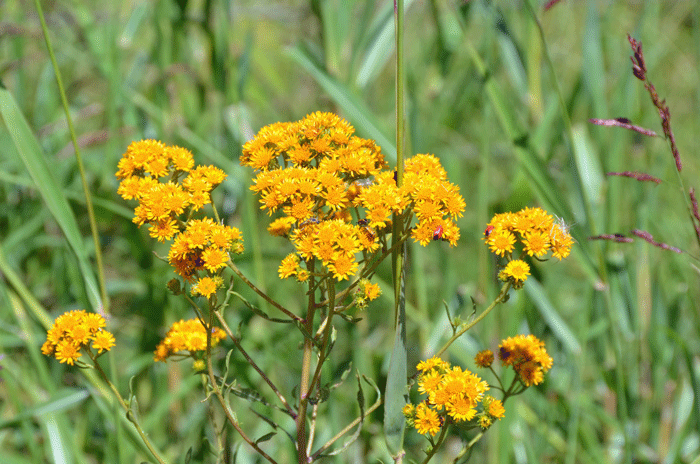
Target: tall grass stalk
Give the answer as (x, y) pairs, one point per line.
(79, 160)
(394, 421)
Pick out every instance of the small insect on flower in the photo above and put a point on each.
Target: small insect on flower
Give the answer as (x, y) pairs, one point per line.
(369, 233)
(488, 231)
(309, 221)
(437, 235)
(364, 183)
(561, 224)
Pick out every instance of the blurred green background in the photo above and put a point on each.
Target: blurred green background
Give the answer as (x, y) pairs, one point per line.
(511, 127)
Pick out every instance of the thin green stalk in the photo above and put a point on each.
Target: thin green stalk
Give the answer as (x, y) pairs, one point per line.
(302, 455)
(253, 364)
(436, 446)
(602, 266)
(127, 409)
(90, 210)
(397, 256)
(230, 416)
(394, 422)
(501, 296)
(323, 352)
(264, 295)
(352, 424)
(79, 160)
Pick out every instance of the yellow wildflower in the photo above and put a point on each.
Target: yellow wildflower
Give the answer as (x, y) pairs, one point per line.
(426, 420)
(207, 286)
(527, 356)
(484, 358)
(289, 266)
(517, 270)
(72, 332)
(187, 335)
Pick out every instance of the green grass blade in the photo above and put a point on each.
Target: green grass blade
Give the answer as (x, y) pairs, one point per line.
(588, 165)
(381, 45)
(58, 442)
(62, 401)
(38, 166)
(541, 181)
(355, 109)
(551, 316)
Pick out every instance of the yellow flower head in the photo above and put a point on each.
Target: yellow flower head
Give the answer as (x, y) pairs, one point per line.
(527, 356)
(426, 420)
(371, 291)
(484, 358)
(289, 266)
(501, 241)
(494, 407)
(167, 185)
(207, 286)
(203, 245)
(432, 363)
(74, 331)
(516, 271)
(187, 335)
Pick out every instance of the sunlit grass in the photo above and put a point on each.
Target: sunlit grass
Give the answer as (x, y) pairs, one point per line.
(620, 320)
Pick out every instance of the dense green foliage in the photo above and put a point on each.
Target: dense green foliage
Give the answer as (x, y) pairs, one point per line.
(506, 112)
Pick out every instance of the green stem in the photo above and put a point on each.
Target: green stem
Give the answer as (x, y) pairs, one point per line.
(349, 427)
(253, 364)
(302, 455)
(230, 416)
(264, 295)
(436, 446)
(366, 272)
(126, 408)
(397, 255)
(471, 443)
(466, 326)
(326, 337)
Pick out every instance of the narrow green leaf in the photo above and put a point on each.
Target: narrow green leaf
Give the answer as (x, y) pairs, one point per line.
(593, 71)
(355, 109)
(382, 46)
(38, 166)
(63, 400)
(541, 181)
(59, 441)
(588, 165)
(551, 316)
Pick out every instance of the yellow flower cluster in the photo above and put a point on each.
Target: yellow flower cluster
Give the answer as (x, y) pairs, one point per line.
(537, 232)
(315, 171)
(528, 357)
(167, 184)
(188, 335)
(453, 395)
(73, 331)
(203, 245)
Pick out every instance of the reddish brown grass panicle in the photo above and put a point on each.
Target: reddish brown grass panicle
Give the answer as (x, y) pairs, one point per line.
(640, 176)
